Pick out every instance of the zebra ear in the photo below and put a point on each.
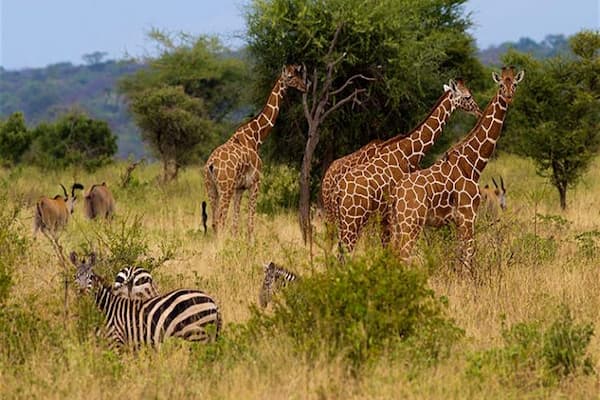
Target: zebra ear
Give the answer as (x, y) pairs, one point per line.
(73, 258)
(92, 258)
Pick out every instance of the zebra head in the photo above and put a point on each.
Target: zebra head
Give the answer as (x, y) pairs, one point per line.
(85, 278)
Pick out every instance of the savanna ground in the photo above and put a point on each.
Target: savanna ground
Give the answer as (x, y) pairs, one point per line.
(531, 266)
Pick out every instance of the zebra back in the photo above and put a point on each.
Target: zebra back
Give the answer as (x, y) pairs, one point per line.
(275, 277)
(134, 283)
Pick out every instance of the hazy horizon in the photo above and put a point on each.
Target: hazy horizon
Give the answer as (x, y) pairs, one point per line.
(65, 30)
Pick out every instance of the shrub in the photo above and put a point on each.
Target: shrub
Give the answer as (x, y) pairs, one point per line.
(279, 189)
(371, 306)
(532, 355)
(123, 243)
(588, 243)
(74, 139)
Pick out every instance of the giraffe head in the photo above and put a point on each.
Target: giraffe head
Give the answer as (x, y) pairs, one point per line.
(461, 97)
(293, 76)
(508, 80)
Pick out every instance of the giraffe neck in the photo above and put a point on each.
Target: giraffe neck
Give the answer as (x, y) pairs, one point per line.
(422, 138)
(255, 131)
(478, 146)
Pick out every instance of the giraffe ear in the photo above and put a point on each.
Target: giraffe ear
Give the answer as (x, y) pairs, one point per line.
(496, 77)
(520, 76)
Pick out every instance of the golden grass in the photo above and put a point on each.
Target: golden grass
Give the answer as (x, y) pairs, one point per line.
(231, 270)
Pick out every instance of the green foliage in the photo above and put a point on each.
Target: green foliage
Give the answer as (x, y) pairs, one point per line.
(15, 138)
(182, 99)
(532, 355)
(368, 307)
(279, 189)
(42, 94)
(172, 124)
(411, 47)
(123, 243)
(557, 116)
(73, 139)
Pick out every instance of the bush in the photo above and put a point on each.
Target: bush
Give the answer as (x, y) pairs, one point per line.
(74, 139)
(369, 307)
(124, 243)
(532, 355)
(15, 139)
(279, 189)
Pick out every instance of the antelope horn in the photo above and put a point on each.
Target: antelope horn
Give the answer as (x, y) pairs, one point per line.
(502, 184)
(495, 184)
(64, 190)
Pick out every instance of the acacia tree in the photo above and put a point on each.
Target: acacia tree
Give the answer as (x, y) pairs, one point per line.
(172, 123)
(556, 120)
(409, 48)
(183, 98)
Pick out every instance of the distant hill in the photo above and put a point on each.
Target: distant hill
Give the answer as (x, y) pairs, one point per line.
(44, 93)
(550, 46)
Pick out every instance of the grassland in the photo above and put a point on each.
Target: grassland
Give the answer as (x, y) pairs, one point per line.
(530, 264)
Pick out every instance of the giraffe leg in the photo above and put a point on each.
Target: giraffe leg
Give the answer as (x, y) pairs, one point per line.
(252, 197)
(224, 199)
(407, 219)
(237, 199)
(465, 232)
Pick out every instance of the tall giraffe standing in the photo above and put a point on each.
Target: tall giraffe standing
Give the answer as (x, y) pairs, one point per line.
(336, 170)
(448, 191)
(365, 189)
(235, 165)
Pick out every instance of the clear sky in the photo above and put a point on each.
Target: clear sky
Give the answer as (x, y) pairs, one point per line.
(34, 33)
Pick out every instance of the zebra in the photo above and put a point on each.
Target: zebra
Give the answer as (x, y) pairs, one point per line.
(184, 313)
(275, 278)
(134, 283)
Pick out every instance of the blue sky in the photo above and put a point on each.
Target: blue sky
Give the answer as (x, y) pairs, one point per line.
(34, 33)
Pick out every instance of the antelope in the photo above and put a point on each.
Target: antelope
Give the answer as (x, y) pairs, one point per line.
(493, 200)
(99, 201)
(51, 215)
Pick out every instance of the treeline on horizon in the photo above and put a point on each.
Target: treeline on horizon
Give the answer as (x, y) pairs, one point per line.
(45, 94)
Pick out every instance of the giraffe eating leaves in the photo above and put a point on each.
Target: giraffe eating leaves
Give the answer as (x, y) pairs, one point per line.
(235, 166)
(448, 190)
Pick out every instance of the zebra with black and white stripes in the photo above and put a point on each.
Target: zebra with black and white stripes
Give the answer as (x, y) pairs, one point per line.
(275, 278)
(135, 283)
(184, 313)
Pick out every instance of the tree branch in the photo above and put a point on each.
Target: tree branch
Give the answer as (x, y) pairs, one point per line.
(349, 82)
(350, 97)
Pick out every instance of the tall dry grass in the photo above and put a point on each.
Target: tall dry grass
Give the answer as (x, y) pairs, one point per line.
(529, 264)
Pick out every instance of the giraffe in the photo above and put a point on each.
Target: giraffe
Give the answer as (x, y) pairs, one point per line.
(336, 170)
(235, 165)
(364, 190)
(448, 191)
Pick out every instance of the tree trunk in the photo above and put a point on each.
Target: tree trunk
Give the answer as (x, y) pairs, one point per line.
(562, 192)
(304, 208)
(170, 170)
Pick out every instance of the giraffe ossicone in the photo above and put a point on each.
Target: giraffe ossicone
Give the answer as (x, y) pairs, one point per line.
(235, 166)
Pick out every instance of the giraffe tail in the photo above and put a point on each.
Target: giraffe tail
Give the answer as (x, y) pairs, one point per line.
(204, 216)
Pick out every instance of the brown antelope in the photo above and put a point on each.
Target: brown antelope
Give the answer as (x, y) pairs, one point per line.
(99, 201)
(51, 215)
(493, 201)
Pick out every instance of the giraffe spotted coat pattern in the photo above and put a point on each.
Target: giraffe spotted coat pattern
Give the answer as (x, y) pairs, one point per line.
(336, 170)
(364, 190)
(448, 191)
(235, 166)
